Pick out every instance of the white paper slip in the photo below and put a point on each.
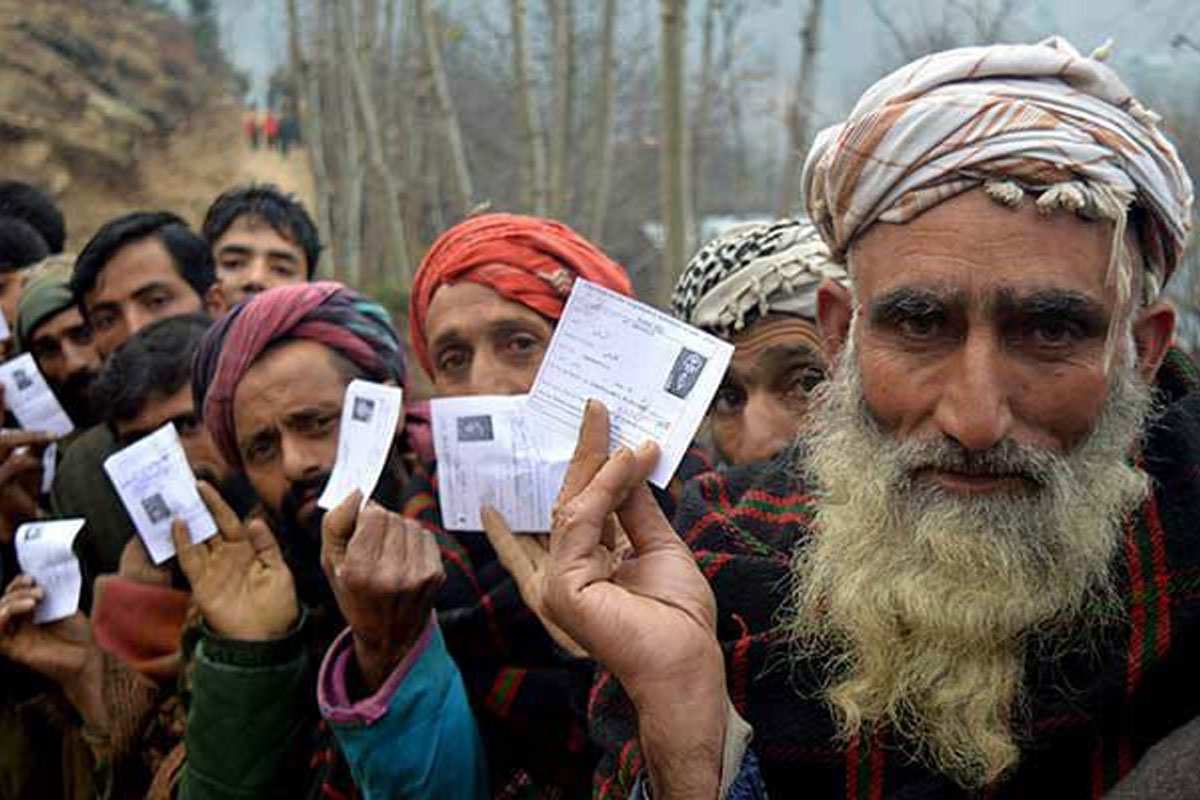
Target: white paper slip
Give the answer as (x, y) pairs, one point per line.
(30, 399)
(45, 552)
(370, 414)
(488, 453)
(655, 374)
(5, 331)
(49, 466)
(156, 485)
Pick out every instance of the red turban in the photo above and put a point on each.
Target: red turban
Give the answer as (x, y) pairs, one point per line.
(528, 260)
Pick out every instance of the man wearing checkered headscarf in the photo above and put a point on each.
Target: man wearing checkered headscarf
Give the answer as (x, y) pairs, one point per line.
(756, 286)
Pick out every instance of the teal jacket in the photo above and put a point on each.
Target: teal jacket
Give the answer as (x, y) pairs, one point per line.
(254, 729)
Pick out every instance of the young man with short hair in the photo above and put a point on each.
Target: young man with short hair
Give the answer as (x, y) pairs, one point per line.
(261, 238)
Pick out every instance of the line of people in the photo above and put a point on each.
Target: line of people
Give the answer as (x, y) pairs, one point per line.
(938, 540)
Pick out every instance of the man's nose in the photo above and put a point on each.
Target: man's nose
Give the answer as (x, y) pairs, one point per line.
(489, 375)
(974, 406)
(301, 458)
(769, 427)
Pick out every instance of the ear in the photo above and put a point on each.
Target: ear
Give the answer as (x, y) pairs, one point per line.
(835, 310)
(214, 301)
(1152, 332)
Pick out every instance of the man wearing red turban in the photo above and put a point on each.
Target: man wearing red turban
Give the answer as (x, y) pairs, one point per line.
(483, 308)
(487, 295)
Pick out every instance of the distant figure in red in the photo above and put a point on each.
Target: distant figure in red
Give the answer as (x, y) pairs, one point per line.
(251, 126)
(271, 129)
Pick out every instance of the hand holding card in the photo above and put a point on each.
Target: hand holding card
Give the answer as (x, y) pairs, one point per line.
(370, 414)
(655, 374)
(156, 485)
(45, 552)
(29, 397)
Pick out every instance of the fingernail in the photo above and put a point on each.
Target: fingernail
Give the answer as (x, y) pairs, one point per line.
(645, 448)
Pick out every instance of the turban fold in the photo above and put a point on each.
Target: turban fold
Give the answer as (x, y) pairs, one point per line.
(1012, 117)
(324, 312)
(527, 260)
(751, 271)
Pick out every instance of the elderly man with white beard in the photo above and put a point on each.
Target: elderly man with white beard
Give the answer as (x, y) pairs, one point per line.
(983, 579)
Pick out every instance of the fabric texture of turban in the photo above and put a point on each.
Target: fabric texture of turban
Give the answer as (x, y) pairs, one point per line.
(528, 260)
(47, 292)
(324, 312)
(751, 271)
(1040, 118)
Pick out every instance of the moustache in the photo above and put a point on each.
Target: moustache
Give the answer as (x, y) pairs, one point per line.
(1006, 459)
(298, 493)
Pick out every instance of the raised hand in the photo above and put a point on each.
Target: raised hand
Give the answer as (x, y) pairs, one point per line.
(385, 571)
(57, 650)
(20, 478)
(239, 579)
(649, 618)
(526, 558)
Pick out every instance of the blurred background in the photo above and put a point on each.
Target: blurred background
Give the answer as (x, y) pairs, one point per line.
(648, 126)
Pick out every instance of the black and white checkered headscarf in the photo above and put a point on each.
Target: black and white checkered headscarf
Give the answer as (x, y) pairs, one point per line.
(753, 270)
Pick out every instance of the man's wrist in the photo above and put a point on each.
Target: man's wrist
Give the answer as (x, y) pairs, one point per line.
(681, 728)
(377, 658)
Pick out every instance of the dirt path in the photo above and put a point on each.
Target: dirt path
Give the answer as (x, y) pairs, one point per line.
(202, 158)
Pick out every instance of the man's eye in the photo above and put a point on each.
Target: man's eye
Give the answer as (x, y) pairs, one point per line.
(920, 327)
(316, 425)
(728, 399)
(158, 300)
(523, 344)
(81, 336)
(454, 360)
(1054, 333)
(103, 321)
(43, 351)
(259, 452)
(233, 263)
(283, 270)
(806, 379)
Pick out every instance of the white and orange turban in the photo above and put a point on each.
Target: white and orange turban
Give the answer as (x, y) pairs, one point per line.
(1037, 118)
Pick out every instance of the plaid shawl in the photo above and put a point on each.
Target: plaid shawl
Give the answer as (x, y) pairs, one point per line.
(529, 697)
(1090, 715)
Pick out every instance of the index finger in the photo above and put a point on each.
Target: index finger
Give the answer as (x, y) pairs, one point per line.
(591, 451)
(227, 521)
(11, 440)
(512, 556)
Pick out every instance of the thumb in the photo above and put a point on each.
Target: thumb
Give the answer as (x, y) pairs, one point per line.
(338, 527)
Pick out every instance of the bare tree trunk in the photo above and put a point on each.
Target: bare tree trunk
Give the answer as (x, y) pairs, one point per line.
(562, 27)
(350, 192)
(700, 123)
(309, 110)
(533, 153)
(602, 150)
(730, 17)
(800, 111)
(388, 212)
(456, 153)
(673, 153)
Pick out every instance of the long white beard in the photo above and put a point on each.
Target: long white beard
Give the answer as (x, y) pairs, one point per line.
(924, 601)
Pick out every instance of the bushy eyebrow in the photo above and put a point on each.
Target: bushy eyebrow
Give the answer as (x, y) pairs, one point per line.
(1051, 303)
(906, 302)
